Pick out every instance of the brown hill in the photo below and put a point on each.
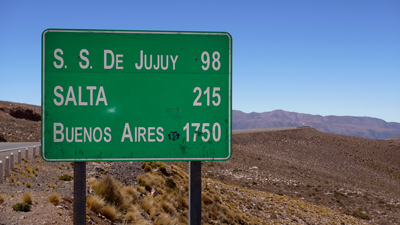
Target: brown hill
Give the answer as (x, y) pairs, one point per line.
(357, 176)
(366, 127)
(19, 122)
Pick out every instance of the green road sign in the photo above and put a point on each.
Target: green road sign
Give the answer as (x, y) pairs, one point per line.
(136, 95)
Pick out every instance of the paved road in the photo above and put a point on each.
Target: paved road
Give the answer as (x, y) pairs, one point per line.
(8, 146)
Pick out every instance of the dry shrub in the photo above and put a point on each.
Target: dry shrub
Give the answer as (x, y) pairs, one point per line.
(26, 198)
(109, 189)
(179, 172)
(95, 203)
(150, 180)
(183, 202)
(143, 222)
(154, 212)
(130, 191)
(141, 189)
(170, 183)
(91, 182)
(28, 168)
(146, 167)
(127, 201)
(206, 199)
(133, 215)
(2, 199)
(130, 195)
(168, 208)
(165, 219)
(183, 218)
(110, 212)
(147, 203)
(54, 199)
(28, 185)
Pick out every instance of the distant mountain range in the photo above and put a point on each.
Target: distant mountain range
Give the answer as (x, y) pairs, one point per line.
(366, 127)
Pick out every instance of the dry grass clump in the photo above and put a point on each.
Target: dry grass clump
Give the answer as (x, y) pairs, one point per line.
(168, 208)
(54, 199)
(149, 179)
(95, 203)
(130, 191)
(110, 212)
(147, 203)
(28, 169)
(2, 199)
(165, 219)
(26, 198)
(109, 189)
(133, 215)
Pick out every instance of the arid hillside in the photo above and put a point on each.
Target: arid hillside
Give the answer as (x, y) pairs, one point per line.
(356, 176)
(19, 122)
(275, 176)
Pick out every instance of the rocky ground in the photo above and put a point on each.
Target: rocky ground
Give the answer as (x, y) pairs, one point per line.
(356, 176)
(295, 176)
(19, 122)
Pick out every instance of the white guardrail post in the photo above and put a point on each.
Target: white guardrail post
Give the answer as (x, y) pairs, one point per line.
(12, 161)
(7, 167)
(19, 157)
(26, 154)
(1, 172)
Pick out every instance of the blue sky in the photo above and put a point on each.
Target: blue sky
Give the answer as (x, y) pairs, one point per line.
(315, 57)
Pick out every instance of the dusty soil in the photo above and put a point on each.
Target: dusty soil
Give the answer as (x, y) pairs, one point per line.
(350, 174)
(296, 176)
(19, 122)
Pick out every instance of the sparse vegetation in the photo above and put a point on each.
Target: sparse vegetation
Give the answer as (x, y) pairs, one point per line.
(281, 165)
(95, 203)
(54, 199)
(2, 199)
(22, 207)
(65, 177)
(110, 212)
(26, 198)
(170, 183)
(358, 214)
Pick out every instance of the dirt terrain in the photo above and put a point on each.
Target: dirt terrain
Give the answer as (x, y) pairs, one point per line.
(19, 122)
(350, 174)
(290, 176)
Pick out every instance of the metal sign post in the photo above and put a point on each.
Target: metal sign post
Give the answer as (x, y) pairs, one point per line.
(79, 193)
(194, 192)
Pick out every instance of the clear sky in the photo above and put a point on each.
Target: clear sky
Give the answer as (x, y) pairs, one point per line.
(317, 57)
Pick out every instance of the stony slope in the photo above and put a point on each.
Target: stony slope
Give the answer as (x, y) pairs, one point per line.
(19, 122)
(297, 176)
(350, 174)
